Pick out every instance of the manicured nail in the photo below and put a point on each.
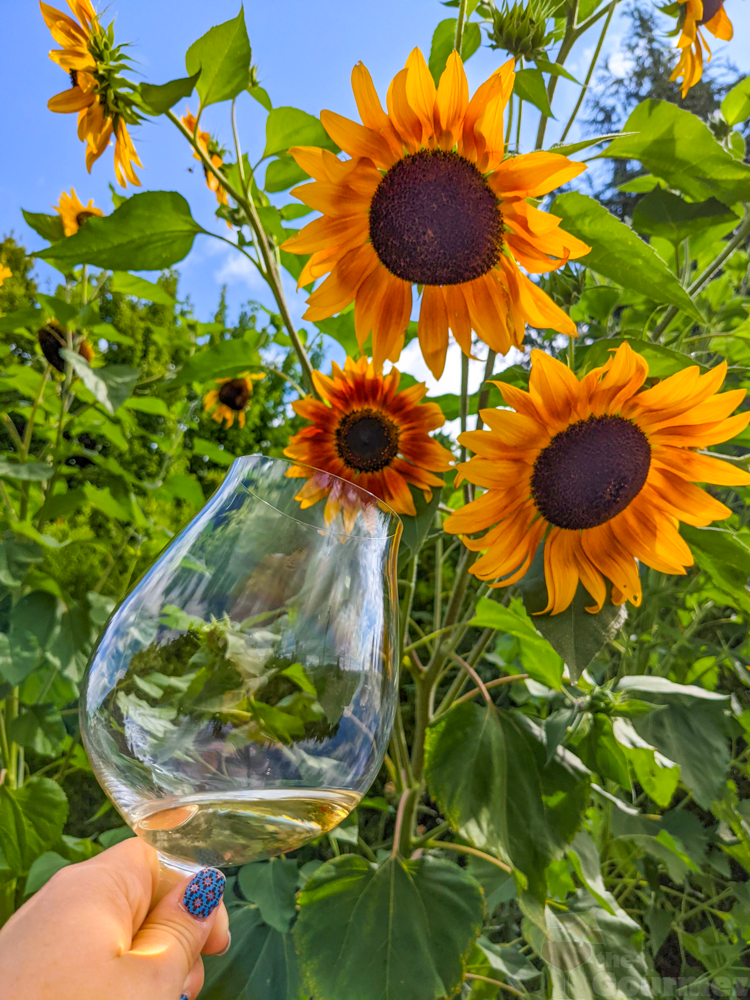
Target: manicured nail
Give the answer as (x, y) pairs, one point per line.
(184, 997)
(204, 893)
(229, 945)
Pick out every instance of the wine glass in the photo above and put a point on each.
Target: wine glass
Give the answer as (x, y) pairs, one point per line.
(240, 700)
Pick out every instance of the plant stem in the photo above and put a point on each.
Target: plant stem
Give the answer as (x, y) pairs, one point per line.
(520, 116)
(569, 39)
(592, 67)
(496, 982)
(484, 395)
(480, 685)
(460, 23)
(490, 684)
(238, 150)
(463, 849)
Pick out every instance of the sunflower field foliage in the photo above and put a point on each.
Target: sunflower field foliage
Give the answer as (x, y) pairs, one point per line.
(564, 810)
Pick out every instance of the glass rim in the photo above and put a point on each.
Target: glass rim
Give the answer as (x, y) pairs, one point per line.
(241, 461)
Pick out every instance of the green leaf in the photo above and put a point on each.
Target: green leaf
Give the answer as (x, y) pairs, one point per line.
(261, 96)
(260, 965)
(662, 362)
(620, 254)
(400, 931)
(642, 184)
(222, 57)
(554, 69)
(159, 98)
(42, 870)
(417, 528)
(529, 86)
(33, 623)
(283, 173)
(576, 634)
(31, 821)
(498, 886)
(28, 472)
(49, 227)
(584, 856)
(91, 379)
(287, 127)
(724, 556)
(61, 310)
(471, 755)
(341, 329)
(148, 232)
(664, 214)
(736, 105)
(656, 774)
(272, 886)
(676, 145)
(567, 148)
(600, 751)
(21, 319)
(689, 729)
(131, 284)
(16, 557)
(222, 360)
(442, 45)
(212, 451)
(39, 728)
(592, 953)
(147, 404)
(539, 659)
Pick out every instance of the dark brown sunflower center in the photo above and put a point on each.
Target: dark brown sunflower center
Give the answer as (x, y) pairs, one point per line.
(590, 472)
(73, 78)
(710, 9)
(435, 221)
(367, 440)
(235, 394)
(83, 216)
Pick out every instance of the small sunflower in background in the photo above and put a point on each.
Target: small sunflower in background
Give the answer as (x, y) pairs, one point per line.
(230, 398)
(94, 66)
(362, 429)
(694, 15)
(603, 469)
(212, 150)
(73, 212)
(52, 339)
(427, 199)
(5, 272)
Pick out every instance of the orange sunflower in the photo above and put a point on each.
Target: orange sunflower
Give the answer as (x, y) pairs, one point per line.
(427, 199)
(231, 398)
(94, 65)
(212, 150)
(362, 429)
(696, 14)
(602, 468)
(73, 212)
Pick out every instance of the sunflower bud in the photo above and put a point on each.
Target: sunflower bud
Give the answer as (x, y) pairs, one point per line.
(521, 29)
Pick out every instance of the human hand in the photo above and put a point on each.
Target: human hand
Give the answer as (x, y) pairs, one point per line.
(91, 933)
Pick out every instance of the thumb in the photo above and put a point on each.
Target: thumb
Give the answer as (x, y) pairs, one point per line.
(173, 935)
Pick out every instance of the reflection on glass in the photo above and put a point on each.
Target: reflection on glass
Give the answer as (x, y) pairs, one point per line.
(240, 700)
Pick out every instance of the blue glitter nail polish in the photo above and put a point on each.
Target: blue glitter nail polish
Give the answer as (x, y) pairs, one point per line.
(204, 893)
(184, 997)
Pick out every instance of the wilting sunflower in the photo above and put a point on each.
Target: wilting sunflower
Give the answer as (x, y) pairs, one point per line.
(5, 272)
(212, 150)
(604, 470)
(362, 429)
(52, 340)
(73, 213)
(696, 14)
(96, 91)
(231, 398)
(427, 199)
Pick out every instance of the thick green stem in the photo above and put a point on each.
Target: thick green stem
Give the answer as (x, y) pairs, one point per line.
(460, 24)
(590, 73)
(569, 40)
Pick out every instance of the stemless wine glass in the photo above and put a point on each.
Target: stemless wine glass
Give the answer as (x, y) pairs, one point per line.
(240, 700)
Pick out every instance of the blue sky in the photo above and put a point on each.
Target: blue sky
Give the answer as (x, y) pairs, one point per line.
(304, 50)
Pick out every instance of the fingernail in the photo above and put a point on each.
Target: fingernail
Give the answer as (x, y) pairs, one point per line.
(184, 996)
(203, 893)
(229, 945)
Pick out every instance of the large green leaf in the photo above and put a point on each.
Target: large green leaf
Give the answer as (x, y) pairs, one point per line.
(40, 728)
(661, 213)
(131, 284)
(443, 38)
(282, 173)
(399, 931)
(417, 528)
(482, 773)
(736, 105)
(656, 774)
(28, 472)
(287, 127)
(222, 57)
(31, 821)
(539, 659)
(529, 86)
(592, 953)
(158, 98)
(148, 232)
(260, 965)
(576, 634)
(49, 227)
(674, 144)
(33, 624)
(724, 556)
(223, 360)
(618, 253)
(272, 886)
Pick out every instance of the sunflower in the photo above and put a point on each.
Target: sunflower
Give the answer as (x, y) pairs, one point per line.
(231, 397)
(5, 272)
(604, 470)
(94, 66)
(427, 199)
(212, 150)
(52, 340)
(73, 213)
(695, 14)
(362, 429)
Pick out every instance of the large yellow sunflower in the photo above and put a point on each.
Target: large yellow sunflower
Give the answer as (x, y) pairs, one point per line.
(212, 150)
(231, 398)
(73, 212)
(427, 199)
(5, 272)
(362, 429)
(604, 470)
(696, 14)
(93, 64)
